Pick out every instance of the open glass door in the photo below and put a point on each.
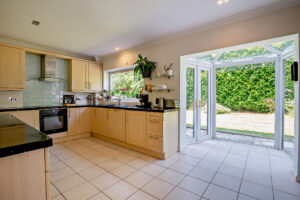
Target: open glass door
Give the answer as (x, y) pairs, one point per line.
(203, 106)
(191, 77)
(289, 108)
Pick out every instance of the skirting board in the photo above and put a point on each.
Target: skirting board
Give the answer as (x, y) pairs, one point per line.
(132, 147)
(71, 137)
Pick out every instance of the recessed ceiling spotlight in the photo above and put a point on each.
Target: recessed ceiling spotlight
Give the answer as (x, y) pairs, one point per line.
(36, 23)
(220, 2)
(117, 48)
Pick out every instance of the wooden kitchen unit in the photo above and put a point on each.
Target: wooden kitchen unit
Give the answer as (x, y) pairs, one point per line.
(152, 133)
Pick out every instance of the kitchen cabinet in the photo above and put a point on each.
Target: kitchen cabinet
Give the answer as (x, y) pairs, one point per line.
(116, 119)
(84, 76)
(155, 131)
(25, 176)
(136, 129)
(30, 117)
(94, 77)
(12, 68)
(78, 121)
(77, 72)
(100, 121)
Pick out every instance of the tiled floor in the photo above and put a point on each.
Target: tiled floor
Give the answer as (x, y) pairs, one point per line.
(92, 169)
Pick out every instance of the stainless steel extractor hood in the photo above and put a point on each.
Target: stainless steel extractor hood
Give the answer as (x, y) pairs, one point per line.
(48, 71)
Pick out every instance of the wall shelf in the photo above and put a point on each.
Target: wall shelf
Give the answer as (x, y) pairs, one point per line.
(164, 90)
(161, 76)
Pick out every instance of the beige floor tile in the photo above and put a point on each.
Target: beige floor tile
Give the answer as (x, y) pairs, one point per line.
(100, 159)
(123, 171)
(180, 194)
(73, 160)
(110, 164)
(61, 173)
(53, 191)
(158, 188)
(82, 165)
(99, 196)
(140, 195)
(193, 185)
(171, 176)
(81, 192)
(120, 191)
(57, 165)
(181, 167)
(104, 181)
(59, 197)
(92, 172)
(125, 158)
(153, 169)
(138, 163)
(138, 179)
(69, 182)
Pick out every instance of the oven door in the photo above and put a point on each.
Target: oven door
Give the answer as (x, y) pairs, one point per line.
(53, 121)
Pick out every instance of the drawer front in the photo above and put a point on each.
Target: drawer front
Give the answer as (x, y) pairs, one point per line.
(154, 143)
(154, 124)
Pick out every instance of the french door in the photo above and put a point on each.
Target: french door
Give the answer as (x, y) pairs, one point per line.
(197, 103)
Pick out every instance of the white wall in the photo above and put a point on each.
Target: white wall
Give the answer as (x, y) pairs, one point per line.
(276, 24)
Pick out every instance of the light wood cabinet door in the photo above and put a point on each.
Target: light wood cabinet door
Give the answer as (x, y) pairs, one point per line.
(12, 68)
(154, 143)
(73, 121)
(94, 75)
(136, 128)
(30, 117)
(117, 124)
(78, 73)
(85, 120)
(154, 124)
(100, 123)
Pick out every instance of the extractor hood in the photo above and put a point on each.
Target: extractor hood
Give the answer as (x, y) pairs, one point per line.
(48, 71)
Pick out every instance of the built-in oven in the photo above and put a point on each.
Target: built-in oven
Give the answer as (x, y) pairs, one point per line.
(53, 120)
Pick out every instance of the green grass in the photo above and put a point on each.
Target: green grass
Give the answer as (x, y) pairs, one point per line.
(246, 132)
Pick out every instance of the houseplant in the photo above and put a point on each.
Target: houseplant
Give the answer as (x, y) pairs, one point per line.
(144, 66)
(169, 69)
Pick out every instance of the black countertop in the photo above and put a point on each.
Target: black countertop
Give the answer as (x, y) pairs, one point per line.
(18, 137)
(125, 107)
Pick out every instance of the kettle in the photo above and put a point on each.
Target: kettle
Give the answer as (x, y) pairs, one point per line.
(162, 103)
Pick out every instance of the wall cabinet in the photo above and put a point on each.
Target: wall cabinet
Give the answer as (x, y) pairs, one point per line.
(136, 129)
(116, 119)
(30, 117)
(100, 121)
(12, 68)
(84, 76)
(79, 121)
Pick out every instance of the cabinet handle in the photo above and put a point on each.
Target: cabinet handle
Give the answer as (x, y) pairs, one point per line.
(154, 137)
(154, 120)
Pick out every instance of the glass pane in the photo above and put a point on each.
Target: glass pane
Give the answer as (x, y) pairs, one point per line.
(53, 123)
(246, 103)
(203, 104)
(281, 46)
(190, 83)
(289, 110)
(243, 54)
(126, 83)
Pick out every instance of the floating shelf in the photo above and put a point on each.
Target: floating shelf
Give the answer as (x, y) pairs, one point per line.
(165, 90)
(161, 76)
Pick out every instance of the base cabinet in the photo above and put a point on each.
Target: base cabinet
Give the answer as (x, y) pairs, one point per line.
(79, 121)
(30, 117)
(117, 124)
(100, 121)
(136, 129)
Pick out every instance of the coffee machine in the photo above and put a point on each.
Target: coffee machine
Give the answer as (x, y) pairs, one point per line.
(144, 100)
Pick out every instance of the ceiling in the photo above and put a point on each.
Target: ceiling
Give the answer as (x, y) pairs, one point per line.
(97, 27)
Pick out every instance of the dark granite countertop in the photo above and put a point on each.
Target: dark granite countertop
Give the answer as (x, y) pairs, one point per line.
(125, 107)
(18, 137)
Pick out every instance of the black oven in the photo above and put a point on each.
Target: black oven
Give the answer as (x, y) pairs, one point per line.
(53, 121)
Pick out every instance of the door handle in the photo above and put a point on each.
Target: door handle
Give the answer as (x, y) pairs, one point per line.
(196, 106)
(199, 104)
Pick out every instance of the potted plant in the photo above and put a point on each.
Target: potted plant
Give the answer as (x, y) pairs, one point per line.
(144, 66)
(169, 69)
(123, 94)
